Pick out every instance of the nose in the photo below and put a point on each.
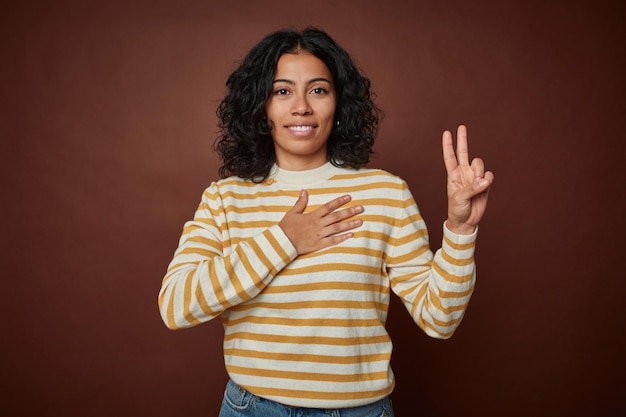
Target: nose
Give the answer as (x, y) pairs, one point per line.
(301, 105)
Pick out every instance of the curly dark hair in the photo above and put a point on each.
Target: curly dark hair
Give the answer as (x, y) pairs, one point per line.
(245, 145)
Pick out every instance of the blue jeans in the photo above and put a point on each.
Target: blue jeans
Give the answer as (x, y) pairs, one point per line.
(240, 403)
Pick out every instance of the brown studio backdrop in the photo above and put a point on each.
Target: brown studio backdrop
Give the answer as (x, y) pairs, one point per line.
(106, 127)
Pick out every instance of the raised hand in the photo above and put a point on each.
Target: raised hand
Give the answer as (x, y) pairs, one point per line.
(322, 227)
(467, 186)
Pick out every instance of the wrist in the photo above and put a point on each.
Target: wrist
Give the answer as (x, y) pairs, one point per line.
(460, 228)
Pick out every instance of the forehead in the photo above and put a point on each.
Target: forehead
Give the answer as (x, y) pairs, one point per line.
(300, 66)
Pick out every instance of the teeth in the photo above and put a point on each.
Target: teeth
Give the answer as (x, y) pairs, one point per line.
(301, 128)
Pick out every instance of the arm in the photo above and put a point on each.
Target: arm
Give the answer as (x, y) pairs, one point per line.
(436, 289)
(205, 277)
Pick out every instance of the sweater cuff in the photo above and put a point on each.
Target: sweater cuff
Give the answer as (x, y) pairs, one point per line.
(284, 242)
(457, 238)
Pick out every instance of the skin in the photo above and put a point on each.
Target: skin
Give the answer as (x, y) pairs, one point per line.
(467, 186)
(301, 111)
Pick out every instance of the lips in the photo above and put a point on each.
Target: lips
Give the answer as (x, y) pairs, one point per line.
(301, 129)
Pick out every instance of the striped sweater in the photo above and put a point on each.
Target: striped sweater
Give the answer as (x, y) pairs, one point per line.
(309, 330)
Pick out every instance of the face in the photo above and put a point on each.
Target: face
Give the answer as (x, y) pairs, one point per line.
(301, 111)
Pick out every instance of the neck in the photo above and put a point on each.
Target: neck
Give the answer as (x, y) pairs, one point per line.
(300, 164)
(304, 178)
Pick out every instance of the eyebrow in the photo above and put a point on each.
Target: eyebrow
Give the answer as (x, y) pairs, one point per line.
(314, 80)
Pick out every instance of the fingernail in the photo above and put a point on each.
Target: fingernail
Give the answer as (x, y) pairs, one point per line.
(483, 182)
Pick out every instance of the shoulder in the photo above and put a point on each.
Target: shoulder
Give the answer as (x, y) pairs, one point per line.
(233, 182)
(228, 187)
(369, 176)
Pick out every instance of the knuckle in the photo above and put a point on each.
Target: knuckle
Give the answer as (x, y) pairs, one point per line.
(336, 216)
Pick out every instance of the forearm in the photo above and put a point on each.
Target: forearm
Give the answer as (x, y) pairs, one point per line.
(201, 283)
(451, 283)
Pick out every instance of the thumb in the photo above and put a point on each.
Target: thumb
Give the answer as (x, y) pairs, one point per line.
(301, 202)
(483, 184)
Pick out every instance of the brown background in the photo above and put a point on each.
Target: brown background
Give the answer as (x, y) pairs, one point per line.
(107, 118)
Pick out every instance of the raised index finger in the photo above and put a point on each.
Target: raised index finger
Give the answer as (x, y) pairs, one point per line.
(449, 157)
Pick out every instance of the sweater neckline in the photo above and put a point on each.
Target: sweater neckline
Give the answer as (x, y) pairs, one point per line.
(303, 178)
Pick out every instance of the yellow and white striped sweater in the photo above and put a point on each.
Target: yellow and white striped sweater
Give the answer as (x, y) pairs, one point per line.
(309, 331)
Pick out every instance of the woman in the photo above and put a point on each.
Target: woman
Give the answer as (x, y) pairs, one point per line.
(298, 246)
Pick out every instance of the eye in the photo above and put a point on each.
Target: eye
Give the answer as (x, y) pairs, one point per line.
(319, 90)
(281, 91)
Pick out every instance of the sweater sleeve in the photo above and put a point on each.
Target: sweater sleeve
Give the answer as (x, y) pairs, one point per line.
(435, 289)
(209, 273)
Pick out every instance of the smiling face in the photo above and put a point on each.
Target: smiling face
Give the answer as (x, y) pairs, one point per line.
(301, 111)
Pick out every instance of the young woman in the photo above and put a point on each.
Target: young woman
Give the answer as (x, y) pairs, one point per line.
(298, 247)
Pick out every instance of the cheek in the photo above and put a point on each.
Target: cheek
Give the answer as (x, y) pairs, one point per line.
(330, 110)
(331, 118)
